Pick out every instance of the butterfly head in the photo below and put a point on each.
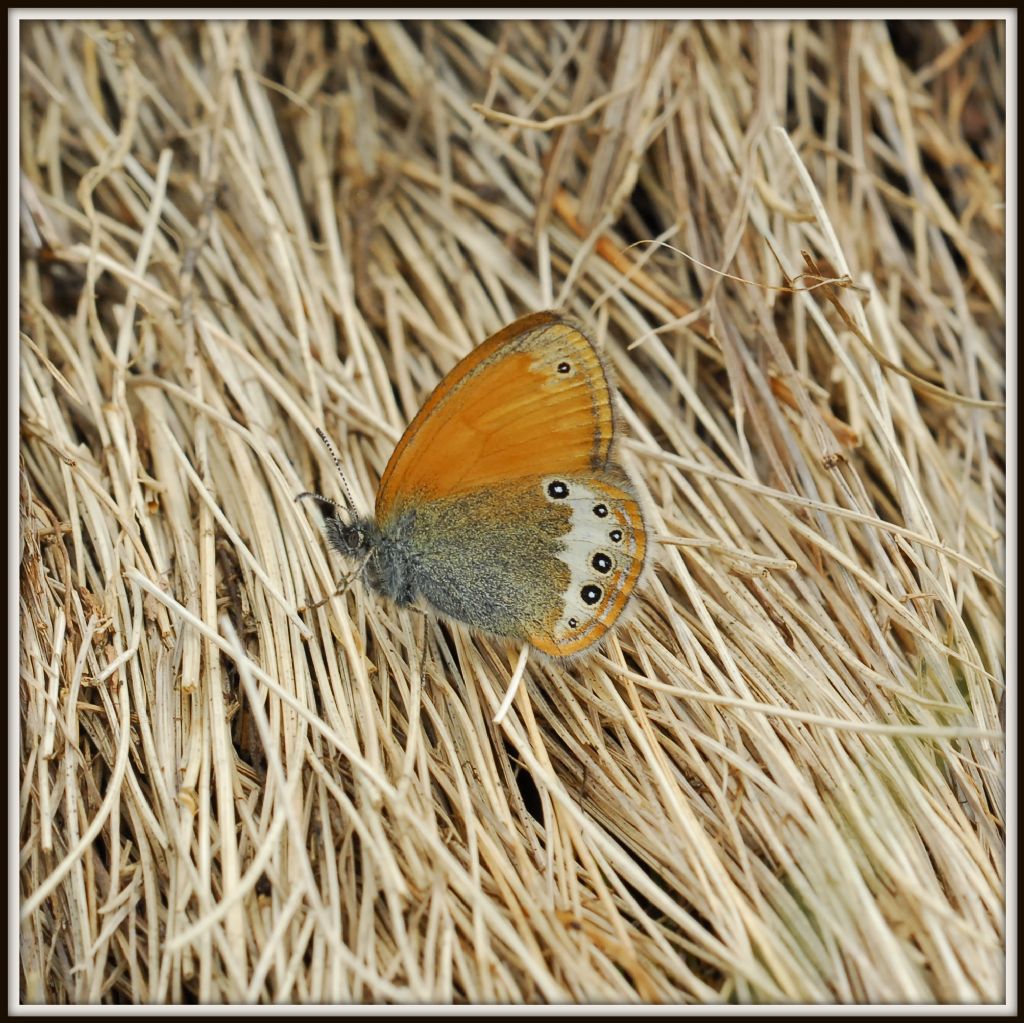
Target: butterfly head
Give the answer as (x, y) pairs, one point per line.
(354, 536)
(355, 539)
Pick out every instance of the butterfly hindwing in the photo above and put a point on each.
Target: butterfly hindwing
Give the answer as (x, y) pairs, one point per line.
(552, 560)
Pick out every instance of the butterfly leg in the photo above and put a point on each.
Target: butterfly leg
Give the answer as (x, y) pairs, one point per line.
(346, 582)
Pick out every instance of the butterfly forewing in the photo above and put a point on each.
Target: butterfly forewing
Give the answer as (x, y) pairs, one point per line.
(532, 399)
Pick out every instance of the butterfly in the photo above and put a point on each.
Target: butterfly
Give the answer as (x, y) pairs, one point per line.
(502, 506)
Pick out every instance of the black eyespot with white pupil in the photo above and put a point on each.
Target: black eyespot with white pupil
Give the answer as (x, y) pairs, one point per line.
(564, 367)
(573, 623)
(600, 510)
(591, 594)
(601, 562)
(558, 490)
(616, 535)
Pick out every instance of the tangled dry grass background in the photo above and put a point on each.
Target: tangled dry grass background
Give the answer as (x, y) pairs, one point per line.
(782, 781)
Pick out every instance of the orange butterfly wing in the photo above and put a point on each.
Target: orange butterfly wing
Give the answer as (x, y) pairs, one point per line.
(532, 399)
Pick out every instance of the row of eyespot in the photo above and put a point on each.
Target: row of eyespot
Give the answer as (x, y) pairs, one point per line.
(558, 490)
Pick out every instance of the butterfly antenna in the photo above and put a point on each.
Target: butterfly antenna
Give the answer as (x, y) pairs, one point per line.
(328, 502)
(312, 495)
(337, 465)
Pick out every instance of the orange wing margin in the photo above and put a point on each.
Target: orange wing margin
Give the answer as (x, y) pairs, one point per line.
(533, 399)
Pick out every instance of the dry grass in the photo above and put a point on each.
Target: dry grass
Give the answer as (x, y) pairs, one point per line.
(782, 781)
